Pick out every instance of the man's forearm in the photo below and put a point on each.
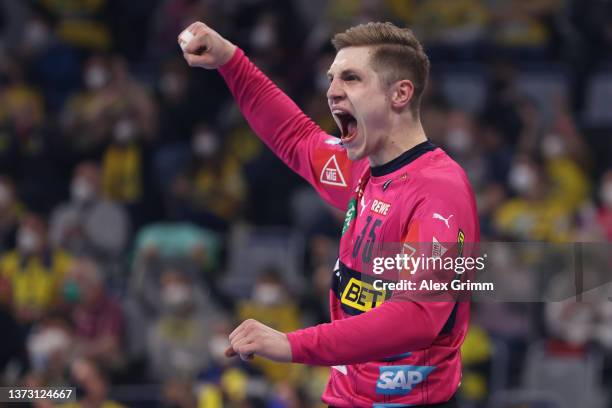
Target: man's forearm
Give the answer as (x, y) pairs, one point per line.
(274, 117)
(393, 328)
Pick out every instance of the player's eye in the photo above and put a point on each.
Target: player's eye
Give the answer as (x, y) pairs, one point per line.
(351, 77)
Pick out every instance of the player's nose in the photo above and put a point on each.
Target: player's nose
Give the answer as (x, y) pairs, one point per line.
(334, 92)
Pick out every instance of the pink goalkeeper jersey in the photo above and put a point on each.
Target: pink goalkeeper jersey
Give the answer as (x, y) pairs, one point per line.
(385, 353)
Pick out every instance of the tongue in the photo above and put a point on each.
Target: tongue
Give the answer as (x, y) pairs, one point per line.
(352, 127)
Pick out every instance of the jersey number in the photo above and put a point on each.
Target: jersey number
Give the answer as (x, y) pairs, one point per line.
(366, 254)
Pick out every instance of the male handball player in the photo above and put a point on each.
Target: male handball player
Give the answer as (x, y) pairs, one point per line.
(396, 187)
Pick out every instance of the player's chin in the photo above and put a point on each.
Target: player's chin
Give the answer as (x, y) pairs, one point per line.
(355, 153)
(355, 147)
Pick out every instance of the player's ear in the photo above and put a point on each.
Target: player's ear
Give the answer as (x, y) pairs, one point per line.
(401, 93)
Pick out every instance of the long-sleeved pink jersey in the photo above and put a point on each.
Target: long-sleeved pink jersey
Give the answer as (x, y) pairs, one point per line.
(385, 353)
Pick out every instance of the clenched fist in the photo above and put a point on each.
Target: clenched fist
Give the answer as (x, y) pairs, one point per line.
(204, 47)
(254, 338)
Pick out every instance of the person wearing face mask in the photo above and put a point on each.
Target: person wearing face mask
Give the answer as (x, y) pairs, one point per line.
(178, 338)
(49, 346)
(85, 117)
(88, 223)
(541, 207)
(96, 314)
(127, 176)
(570, 184)
(272, 304)
(211, 190)
(33, 270)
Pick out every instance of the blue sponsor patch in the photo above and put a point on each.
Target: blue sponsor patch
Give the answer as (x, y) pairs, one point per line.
(401, 379)
(392, 405)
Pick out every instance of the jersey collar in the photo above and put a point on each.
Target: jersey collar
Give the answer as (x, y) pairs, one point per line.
(403, 159)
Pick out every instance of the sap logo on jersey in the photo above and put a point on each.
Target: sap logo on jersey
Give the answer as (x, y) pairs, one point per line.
(401, 379)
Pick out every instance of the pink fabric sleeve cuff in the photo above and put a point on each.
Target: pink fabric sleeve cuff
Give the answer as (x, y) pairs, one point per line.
(296, 348)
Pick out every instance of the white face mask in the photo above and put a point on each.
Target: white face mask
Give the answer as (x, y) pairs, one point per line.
(44, 344)
(27, 240)
(95, 77)
(553, 146)
(205, 144)
(82, 191)
(176, 295)
(606, 194)
(217, 346)
(125, 131)
(267, 294)
(36, 34)
(263, 36)
(522, 178)
(459, 140)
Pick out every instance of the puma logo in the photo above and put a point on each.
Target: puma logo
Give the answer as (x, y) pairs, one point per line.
(437, 216)
(363, 205)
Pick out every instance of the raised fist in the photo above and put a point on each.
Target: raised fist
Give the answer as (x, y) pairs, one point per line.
(204, 47)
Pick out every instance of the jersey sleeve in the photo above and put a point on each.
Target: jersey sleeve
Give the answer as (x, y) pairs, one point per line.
(289, 133)
(401, 323)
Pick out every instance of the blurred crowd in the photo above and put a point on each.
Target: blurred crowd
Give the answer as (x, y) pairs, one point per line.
(127, 181)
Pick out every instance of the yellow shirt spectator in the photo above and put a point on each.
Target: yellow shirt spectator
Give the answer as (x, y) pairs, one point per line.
(34, 281)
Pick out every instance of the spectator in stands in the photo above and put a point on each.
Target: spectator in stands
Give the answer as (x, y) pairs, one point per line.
(180, 394)
(88, 224)
(177, 118)
(192, 250)
(211, 190)
(126, 170)
(28, 153)
(525, 25)
(86, 117)
(89, 377)
(605, 209)
(454, 29)
(548, 194)
(33, 270)
(272, 304)
(96, 315)
(227, 382)
(11, 211)
(461, 141)
(178, 341)
(49, 346)
(83, 25)
(134, 97)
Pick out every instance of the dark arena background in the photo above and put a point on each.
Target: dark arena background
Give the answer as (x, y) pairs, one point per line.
(158, 220)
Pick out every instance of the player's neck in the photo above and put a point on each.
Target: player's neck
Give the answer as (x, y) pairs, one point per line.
(400, 139)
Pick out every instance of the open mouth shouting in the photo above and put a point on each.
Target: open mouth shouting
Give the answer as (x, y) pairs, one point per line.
(347, 124)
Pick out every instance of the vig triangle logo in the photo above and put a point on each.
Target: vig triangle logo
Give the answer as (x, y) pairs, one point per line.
(331, 173)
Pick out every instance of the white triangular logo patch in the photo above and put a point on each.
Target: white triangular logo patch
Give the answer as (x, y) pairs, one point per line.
(437, 249)
(331, 173)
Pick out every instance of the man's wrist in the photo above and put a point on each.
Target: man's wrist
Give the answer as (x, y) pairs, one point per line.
(230, 53)
(294, 346)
